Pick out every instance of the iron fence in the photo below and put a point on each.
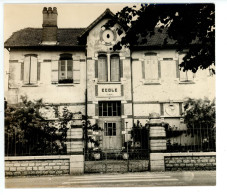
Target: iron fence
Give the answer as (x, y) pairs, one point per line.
(33, 145)
(202, 139)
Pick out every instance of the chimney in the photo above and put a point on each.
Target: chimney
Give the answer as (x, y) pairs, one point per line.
(50, 27)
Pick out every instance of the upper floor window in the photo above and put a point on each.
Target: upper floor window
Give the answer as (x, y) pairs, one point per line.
(65, 68)
(30, 72)
(114, 68)
(151, 67)
(102, 68)
(187, 75)
(108, 68)
(169, 69)
(112, 108)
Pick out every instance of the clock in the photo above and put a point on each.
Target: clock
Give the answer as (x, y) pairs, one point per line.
(108, 36)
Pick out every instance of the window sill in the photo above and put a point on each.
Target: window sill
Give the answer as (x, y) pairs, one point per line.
(110, 82)
(65, 84)
(186, 82)
(151, 82)
(30, 85)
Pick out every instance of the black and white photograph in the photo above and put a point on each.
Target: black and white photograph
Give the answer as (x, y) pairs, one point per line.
(109, 95)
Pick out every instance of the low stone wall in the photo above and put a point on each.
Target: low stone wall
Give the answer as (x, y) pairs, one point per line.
(179, 163)
(111, 166)
(183, 161)
(44, 165)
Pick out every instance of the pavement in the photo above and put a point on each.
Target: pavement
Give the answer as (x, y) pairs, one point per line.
(139, 179)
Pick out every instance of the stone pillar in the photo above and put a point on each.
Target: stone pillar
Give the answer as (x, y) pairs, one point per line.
(75, 146)
(157, 140)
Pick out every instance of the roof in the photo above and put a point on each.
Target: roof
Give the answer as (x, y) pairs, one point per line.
(32, 37)
(69, 37)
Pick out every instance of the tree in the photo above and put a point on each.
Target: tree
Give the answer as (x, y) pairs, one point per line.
(27, 132)
(192, 26)
(199, 113)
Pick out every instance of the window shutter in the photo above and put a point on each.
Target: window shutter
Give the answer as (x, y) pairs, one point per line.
(38, 71)
(76, 71)
(177, 69)
(96, 68)
(122, 109)
(115, 70)
(121, 68)
(96, 90)
(161, 109)
(122, 90)
(33, 71)
(54, 71)
(180, 109)
(22, 72)
(26, 69)
(159, 69)
(96, 110)
(143, 70)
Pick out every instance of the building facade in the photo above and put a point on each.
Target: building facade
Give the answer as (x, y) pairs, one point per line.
(77, 68)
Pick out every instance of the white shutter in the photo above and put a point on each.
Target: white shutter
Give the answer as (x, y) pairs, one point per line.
(26, 69)
(76, 71)
(151, 68)
(115, 70)
(102, 69)
(54, 71)
(168, 68)
(33, 71)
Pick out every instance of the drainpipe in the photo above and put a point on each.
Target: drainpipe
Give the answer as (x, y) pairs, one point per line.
(86, 116)
(132, 93)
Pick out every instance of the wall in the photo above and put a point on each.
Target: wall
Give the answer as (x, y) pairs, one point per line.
(44, 165)
(148, 96)
(183, 161)
(179, 163)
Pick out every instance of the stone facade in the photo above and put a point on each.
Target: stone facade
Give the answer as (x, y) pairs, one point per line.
(37, 167)
(182, 163)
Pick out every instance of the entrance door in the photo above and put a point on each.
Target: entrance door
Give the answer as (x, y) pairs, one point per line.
(112, 139)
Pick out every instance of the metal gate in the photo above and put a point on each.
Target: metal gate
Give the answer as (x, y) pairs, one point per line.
(109, 161)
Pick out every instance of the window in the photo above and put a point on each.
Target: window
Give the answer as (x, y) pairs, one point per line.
(185, 75)
(66, 68)
(110, 108)
(151, 67)
(169, 69)
(102, 68)
(110, 129)
(108, 68)
(29, 70)
(115, 68)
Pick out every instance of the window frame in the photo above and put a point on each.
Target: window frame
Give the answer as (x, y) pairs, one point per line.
(66, 58)
(109, 108)
(110, 129)
(29, 72)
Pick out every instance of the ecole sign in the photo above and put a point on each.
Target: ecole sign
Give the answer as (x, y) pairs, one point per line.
(109, 90)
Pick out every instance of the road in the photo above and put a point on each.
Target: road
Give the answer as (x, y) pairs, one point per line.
(142, 179)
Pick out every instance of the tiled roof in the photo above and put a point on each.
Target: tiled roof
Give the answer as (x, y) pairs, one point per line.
(32, 37)
(68, 37)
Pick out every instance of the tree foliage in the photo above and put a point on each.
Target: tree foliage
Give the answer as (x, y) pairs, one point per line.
(192, 26)
(27, 132)
(199, 113)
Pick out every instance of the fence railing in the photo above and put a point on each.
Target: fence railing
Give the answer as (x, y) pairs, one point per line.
(33, 145)
(191, 140)
(131, 154)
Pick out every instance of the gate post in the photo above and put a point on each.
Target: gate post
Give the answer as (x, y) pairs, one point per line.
(75, 146)
(157, 142)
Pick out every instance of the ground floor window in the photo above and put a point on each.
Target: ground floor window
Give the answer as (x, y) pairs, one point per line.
(112, 108)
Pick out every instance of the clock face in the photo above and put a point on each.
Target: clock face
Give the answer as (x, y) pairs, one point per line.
(108, 36)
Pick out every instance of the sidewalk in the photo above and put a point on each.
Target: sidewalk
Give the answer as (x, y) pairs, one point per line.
(138, 179)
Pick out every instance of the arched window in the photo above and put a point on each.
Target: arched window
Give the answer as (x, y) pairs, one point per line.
(115, 68)
(102, 68)
(65, 68)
